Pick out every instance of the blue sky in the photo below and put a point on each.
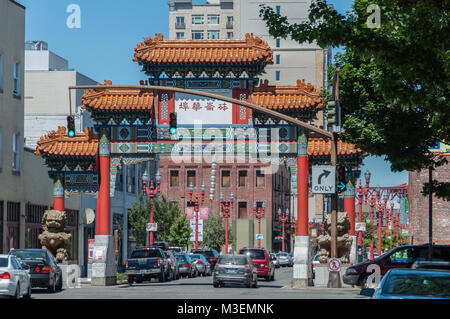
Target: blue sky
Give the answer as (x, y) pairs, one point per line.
(103, 47)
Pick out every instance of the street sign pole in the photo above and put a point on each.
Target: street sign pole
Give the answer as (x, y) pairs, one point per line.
(334, 279)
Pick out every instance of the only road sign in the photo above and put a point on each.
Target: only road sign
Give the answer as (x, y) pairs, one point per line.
(323, 179)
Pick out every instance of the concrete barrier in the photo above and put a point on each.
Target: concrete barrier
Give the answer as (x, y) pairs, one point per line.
(321, 275)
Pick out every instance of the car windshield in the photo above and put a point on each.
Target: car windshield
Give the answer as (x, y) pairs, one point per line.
(196, 256)
(232, 261)
(283, 255)
(436, 284)
(3, 262)
(206, 253)
(254, 254)
(29, 255)
(145, 254)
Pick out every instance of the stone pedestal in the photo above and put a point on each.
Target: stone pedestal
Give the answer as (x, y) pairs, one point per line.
(104, 265)
(302, 263)
(354, 251)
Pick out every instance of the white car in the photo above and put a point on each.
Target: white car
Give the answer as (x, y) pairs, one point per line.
(15, 280)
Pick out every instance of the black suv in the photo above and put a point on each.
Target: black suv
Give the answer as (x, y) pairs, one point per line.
(211, 255)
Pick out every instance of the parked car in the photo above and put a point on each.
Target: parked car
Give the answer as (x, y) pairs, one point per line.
(187, 266)
(262, 260)
(276, 262)
(15, 279)
(146, 263)
(412, 284)
(444, 265)
(44, 269)
(176, 250)
(235, 269)
(173, 263)
(285, 259)
(399, 257)
(203, 266)
(211, 255)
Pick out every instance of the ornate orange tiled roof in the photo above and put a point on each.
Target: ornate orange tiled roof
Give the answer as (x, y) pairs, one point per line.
(117, 99)
(57, 143)
(320, 147)
(160, 51)
(293, 97)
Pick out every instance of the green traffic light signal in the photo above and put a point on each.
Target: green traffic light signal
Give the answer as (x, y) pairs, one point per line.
(70, 126)
(173, 123)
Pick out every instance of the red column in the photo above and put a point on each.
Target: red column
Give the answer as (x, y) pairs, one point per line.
(103, 217)
(302, 186)
(349, 206)
(58, 195)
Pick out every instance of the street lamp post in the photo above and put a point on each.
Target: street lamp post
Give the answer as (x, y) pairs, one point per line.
(283, 217)
(380, 216)
(226, 207)
(372, 206)
(211, 196)
(386, 214)
(360, 192)
(196, 205)
(259, 214)
(367, 176)
(152, 192)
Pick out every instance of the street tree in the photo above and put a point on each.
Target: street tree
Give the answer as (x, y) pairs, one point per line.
(394, 75)
(180, 232)
(165, 215)
(138, 217)
(217, 232)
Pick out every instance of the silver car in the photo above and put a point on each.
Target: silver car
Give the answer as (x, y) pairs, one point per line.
(203, 266)
(285, 259)
(15, 279)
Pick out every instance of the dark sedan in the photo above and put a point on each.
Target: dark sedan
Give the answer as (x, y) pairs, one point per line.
(235, 269)
(44, 270)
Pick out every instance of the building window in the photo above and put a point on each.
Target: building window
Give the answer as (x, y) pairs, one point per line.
(197, 35)
(230, 35)
(242, 210)
(16, 153)
(278, 9)
(277, 59)
(242, 179)
(230, 22)
(180, 35)
(16, 76)
(198, 19)
(260, 179)
(213, 19)
(213, 35)
(277, 75)
(174, 179)
(278, 42)
(180, 23)
(226, 179)
(190, 178)
(1, 73)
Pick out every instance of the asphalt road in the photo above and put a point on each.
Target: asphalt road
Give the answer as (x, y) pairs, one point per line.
(202, 288)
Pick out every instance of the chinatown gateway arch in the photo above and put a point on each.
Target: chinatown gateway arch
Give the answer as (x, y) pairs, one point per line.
(223, 112)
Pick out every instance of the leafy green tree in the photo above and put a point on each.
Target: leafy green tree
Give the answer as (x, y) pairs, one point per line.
(164, 214)
(217, 234)
(180, 232)
(394, 79)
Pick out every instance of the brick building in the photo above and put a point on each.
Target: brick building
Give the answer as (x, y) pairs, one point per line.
(419, 208)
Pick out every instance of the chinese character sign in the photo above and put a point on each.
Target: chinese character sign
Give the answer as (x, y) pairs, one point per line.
(190, 108)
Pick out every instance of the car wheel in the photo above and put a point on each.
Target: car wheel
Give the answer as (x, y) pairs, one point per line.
(363, 280)
(60, 284)
(221, 284)
(28, 294)
(138, 279)
(248, 284)
(130, 280)
(16, 294)
(52, 287)
(255, 283)
(268, 277)
(215, 284)
(162, 276)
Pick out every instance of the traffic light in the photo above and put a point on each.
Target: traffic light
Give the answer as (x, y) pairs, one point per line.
(331, 113)
(70, 126)
(341, 179)
(173, 123)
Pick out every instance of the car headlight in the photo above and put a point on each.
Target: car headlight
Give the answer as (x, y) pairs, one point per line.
(351, 271)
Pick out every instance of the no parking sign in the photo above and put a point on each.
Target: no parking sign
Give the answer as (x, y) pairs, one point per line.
(334, 264)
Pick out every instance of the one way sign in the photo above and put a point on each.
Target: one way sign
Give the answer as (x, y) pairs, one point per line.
(323, 179)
